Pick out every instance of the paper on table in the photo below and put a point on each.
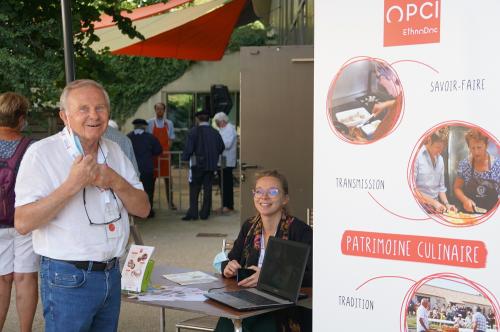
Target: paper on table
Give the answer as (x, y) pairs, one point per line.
(190, 278)
(176, 293)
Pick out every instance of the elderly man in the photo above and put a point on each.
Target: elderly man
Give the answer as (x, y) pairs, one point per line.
(423, 316)
(163, 129)
(75, 190)
(18, 263)
(228, 162)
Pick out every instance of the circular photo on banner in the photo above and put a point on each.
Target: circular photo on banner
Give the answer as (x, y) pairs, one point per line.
(449, 303)
(454, 174)
(365, 101)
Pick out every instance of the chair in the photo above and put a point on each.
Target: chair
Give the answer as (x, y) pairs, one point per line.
(204, 323)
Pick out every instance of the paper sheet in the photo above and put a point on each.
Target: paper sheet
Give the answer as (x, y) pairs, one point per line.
(190, 278)
(173, 293)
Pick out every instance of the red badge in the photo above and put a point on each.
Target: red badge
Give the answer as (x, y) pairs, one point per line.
(111, 227)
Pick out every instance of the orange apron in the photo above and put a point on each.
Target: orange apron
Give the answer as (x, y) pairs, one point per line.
(162, 135)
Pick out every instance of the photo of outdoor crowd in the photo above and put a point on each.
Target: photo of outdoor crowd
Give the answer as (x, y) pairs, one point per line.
(455, 175)
(365, 101)
(443, 305)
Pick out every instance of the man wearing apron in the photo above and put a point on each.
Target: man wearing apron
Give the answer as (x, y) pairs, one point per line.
(163, 129)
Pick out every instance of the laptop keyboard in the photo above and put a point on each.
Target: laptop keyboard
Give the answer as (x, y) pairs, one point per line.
(252, 297)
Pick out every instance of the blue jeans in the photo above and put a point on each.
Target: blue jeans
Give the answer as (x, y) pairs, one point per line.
(79, 300)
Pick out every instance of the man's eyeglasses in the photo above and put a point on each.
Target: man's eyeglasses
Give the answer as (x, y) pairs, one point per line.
(271, 192)
(105, 222)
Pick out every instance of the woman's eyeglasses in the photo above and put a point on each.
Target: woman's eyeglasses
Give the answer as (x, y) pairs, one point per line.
(271, 192)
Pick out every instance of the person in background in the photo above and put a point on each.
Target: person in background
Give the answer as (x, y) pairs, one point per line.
(477, 184)
(270, 198)
(146, 146)
(429, 173)
(423, 316)
(18, 261)
(203, 147)
(163, 129)
(478, 321)
(114, 134)
(468, 320)
(491, 318)
(387, 111)
(75, 190)
(230, 138)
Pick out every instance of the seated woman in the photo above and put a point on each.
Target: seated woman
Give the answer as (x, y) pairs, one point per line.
(429, 173)
(477, 184)
(270, 200)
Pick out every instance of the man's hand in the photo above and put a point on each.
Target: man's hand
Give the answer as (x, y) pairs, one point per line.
(231, 268)
(451, 208)
(438, 207)
(253, 279)
(83, 173)
(105, 177)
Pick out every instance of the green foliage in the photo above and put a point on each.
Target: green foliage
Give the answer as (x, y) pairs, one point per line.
(253, 34)
(32, 57)
(133, 80)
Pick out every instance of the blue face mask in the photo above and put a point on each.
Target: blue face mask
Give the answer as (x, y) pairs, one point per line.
(218, 259)
(75, 142)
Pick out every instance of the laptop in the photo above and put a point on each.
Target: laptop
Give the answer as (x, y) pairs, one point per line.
(279, 281)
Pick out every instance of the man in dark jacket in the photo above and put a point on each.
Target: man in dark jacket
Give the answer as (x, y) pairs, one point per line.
(203, 147)
(145, 147)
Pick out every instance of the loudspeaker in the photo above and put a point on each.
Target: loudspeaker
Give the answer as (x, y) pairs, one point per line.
(220, 100)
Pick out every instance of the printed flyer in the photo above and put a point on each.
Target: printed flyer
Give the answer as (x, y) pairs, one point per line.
(406, 166)
(135, 267)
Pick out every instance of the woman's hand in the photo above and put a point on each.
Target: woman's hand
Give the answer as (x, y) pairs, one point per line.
(469, 205)
(253, 279)
(231, 268)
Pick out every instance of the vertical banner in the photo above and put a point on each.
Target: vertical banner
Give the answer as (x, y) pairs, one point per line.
(406, 165)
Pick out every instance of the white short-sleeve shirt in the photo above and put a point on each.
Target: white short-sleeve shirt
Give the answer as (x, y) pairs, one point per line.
(69, 236)
(424, 314)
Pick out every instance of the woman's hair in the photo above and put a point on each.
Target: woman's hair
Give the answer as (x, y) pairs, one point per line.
(12, 107)
(221, 116)
(80, 84)
(274, 174)
(439, 135)
(476, 134)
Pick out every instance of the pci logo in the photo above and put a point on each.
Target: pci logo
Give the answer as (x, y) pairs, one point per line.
(408, 22)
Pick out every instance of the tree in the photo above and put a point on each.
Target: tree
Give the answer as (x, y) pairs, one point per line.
(32, 57)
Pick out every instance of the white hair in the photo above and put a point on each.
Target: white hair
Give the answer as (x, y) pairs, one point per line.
(78, 84)
(221, 116)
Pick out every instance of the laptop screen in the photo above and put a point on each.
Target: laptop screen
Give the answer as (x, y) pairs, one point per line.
(283, 268)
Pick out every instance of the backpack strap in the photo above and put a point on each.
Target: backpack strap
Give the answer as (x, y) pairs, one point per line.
(15, 160)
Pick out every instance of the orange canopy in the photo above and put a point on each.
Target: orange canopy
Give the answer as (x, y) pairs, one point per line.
(200, 32)
(140, 13)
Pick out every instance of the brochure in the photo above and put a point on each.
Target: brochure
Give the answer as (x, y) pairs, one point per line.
(135, 270)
